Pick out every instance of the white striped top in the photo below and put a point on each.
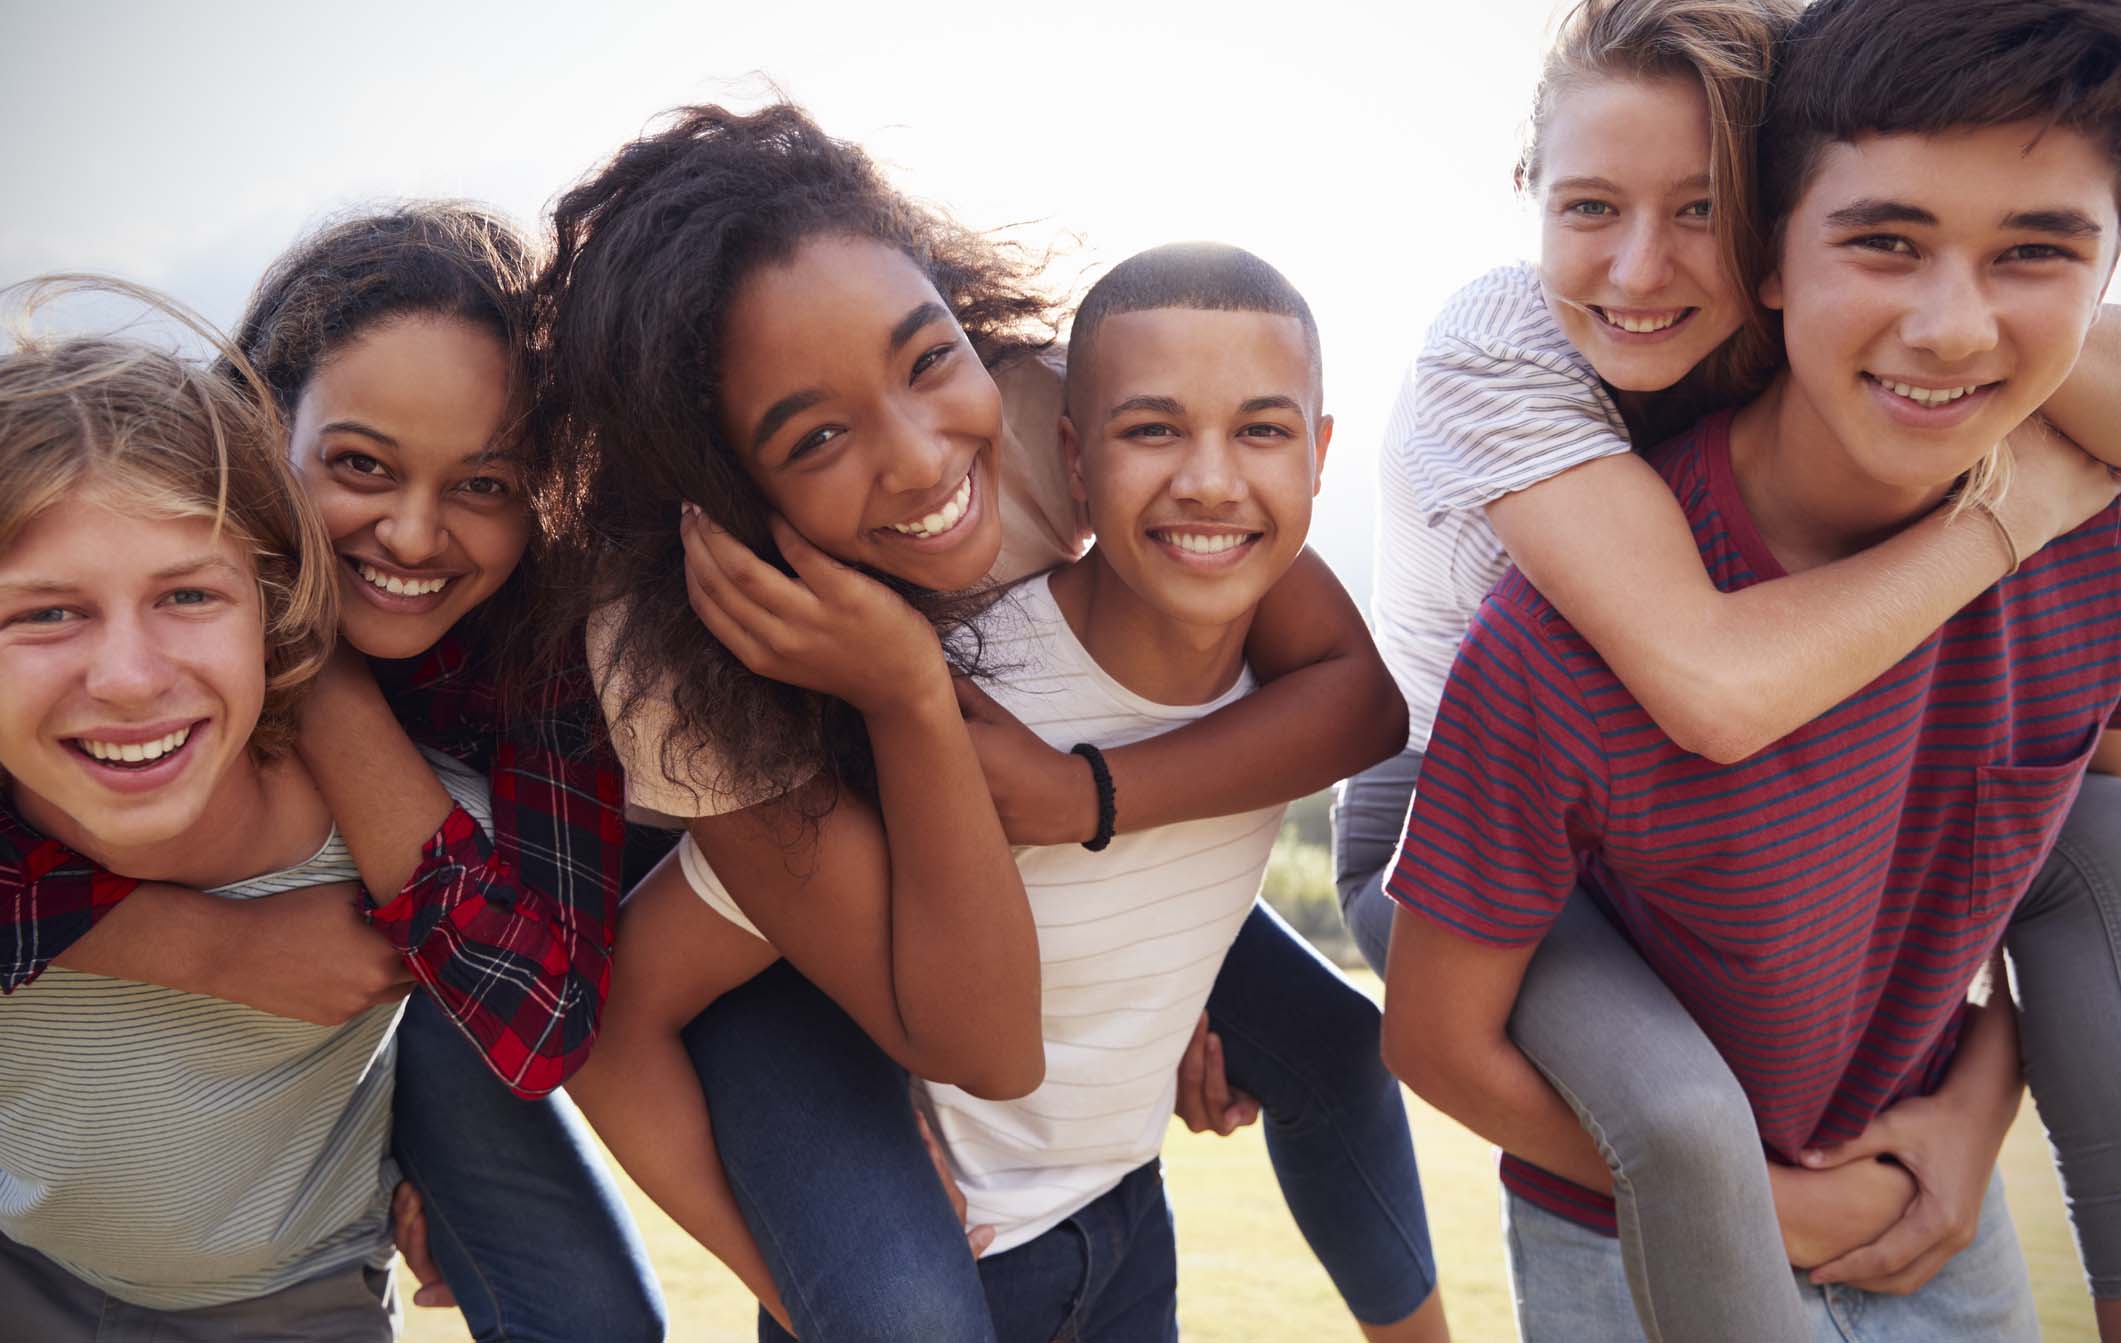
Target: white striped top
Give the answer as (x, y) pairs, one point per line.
(1130, 941)
(179, 1151)
(1497, 400)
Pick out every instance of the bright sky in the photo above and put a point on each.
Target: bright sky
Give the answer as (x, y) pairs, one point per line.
(1363, 149)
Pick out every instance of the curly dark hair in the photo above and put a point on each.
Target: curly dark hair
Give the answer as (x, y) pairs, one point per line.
(431, 258)
(648, 253)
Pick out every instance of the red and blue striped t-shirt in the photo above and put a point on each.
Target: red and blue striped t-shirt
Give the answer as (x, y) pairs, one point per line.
(1820, 908)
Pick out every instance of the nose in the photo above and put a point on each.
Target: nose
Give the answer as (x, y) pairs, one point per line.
(130, 667)
(412, 530)
(1209, 473)
(1949, 314)
(914, 453)
(1643, 263)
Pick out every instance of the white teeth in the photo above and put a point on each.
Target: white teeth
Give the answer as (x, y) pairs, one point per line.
(1641, 325)
(402, 587)
(1927, 396)
(1203, 543)
(135, 752)
(942, 519)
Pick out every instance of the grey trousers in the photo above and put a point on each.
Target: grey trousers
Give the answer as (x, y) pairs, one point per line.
(41, 1302)
(1698, 1234)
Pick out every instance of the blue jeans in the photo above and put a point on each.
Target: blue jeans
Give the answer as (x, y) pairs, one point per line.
(1570, 1287)
(818, 1138)
(522, 1217)
(1108, 1274)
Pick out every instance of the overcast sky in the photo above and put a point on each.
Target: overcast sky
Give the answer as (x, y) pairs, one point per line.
(1365, 150)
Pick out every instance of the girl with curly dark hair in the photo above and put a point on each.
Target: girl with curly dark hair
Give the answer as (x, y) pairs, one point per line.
(396, 345)
(747, 323)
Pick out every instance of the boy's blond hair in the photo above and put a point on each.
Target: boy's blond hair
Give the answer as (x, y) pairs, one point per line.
(173, 438)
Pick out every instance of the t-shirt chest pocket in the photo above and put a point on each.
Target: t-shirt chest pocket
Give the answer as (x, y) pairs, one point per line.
(2018, 810)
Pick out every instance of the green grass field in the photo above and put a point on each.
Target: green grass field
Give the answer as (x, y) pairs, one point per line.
(1245, 1276)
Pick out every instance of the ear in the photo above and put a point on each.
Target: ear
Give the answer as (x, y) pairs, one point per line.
(1319, 442)
(1771, 290)
(1072, 454)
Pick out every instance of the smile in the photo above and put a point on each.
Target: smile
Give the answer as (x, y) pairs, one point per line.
(399, 587)
(1927, 397)
(943, 520)
(1217, 548)
(1642, 323)
(132, 752)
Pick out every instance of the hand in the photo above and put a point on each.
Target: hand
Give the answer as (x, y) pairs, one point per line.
(1043, 796)
(1950, 1160)
(830, 628)
(1827, 1213)
(2056, 487)
(1206, 1100)
(408, 1227)
(977, 1238)
(306, 954)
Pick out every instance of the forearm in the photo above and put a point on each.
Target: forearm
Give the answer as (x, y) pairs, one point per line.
(961, 934)
(1986, 1080)
(167, 935)
(1488, 1085)
(641, 1095)
(2087, 406)
(1327, 708)
(2106, 756)
(383, 796)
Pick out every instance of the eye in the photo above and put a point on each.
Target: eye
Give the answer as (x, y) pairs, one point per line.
(1590, 209)
(2037, 251)
(360, 464)
(1695, 210)
(813, 441)
(930, 358)
(44, 617)
(491, 487)
(189, 597)
(1891, 244)
(1151, 430)
(1266, 430)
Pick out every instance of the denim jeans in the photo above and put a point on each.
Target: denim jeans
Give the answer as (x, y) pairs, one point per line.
(1108, 1274)
(1570, 1287)
(818, 1139)
(1698, 1235)
(522, 1216)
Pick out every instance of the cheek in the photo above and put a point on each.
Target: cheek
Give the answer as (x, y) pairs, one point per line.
(343, 511)
(496, 541)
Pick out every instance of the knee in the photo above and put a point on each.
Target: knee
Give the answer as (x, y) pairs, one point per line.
(1694, 1133)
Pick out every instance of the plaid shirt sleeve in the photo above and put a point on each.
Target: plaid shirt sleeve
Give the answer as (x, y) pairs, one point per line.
(49, 897)
(512, 934)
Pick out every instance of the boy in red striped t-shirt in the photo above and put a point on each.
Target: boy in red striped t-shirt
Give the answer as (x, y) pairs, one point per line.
(1942, 178)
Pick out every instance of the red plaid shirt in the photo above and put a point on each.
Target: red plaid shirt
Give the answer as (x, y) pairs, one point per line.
(511, 934)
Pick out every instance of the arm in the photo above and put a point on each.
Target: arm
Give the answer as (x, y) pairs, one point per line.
(541, 910)
(1327, 708)
(926, 940)
(2106, 756)
(2087, 406)
(51, 900)
(639, 1090)
(1725, 674)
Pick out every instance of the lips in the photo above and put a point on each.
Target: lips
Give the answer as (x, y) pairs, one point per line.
(1641, 321)
(405, 592)
(136, 760)
(1211, 547)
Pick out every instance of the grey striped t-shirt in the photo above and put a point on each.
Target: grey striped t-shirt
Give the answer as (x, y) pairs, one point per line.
(180, 1151)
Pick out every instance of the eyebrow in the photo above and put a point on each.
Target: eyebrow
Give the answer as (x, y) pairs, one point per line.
(1154, 405)
(782, 411)
(909, 326)
(2063, 223)
(196, 564)
(356, 427)
(181, 569)
(1870, 212)
(1274, 402)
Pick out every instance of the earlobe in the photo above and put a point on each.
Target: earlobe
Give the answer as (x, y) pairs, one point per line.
(1072, 454)
(1319, 443)
(1771, 290)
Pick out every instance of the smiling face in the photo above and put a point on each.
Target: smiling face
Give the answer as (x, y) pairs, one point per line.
(1628, 258)
(1196, 439)
(399, 437)
(861, 411)
(135, 671)
(1936, 289)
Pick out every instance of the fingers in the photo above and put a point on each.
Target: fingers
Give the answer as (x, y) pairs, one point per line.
(408, 1221)
(942, 1169)
(817, 569)
(1928, 1231)
(1192, 1078)
(1216, 1087)
(1879, 1138)
(736, 578)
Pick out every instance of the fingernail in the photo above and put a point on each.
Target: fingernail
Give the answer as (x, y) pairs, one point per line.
(980, 1238)
(1810, 1157)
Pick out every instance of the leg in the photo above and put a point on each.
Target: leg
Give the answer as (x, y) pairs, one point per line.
(523, 1217)
(1133, 1293)
(1369, 813)
(1304, 1041)
(1702, 1247)
(2065, 958)
(816, 1131)
(1567, 1281)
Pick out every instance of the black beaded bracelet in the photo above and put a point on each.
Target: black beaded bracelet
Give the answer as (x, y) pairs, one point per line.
(1107, 801)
